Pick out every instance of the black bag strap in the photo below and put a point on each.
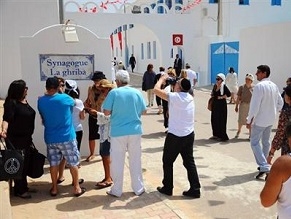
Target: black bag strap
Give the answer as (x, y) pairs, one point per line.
(3, 143)
(9, 142)
(32, 146)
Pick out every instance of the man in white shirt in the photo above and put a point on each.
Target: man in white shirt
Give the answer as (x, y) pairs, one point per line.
(265, 104)
(180, 136)
(192, 75)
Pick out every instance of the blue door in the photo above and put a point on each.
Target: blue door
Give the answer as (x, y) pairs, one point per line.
(231, 50)
(217, 60)
(223, 56)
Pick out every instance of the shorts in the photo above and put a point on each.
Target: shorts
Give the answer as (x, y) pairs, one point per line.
(93, 129)
(68, 150)
(105, 148)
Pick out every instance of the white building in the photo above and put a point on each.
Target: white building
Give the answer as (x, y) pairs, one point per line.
(246, 33)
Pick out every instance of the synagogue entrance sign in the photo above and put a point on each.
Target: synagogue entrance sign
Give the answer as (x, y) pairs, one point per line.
(74, 67)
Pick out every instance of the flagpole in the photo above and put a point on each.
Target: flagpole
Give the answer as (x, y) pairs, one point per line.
(61, 11)
(219, 17)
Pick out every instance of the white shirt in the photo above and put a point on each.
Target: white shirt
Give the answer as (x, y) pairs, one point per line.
(231, 80)
(181, 113)
(284, 201)
(76, 115)
(191, 76)
(104, 126)
(266, 101)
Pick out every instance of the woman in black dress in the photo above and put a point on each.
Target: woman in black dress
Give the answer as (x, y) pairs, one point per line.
(219, 109)
(18, 127)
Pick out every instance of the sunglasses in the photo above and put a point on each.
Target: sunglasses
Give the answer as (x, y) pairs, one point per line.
(62, 85)
(218, 79)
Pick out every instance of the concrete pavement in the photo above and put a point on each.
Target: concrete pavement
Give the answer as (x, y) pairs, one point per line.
(226, 171)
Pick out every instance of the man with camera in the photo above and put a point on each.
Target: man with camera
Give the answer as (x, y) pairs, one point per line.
(180, 136)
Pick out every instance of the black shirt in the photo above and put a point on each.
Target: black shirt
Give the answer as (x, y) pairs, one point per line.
(20, 117)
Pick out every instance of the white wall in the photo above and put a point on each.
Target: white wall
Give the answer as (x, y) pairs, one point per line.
(236, 17)
(25, 17)
(20, 18)
(149, 27)
(268, 45)
(51, 41)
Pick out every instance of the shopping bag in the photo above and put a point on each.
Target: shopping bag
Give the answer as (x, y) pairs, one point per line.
(11, 162)
(36, 163)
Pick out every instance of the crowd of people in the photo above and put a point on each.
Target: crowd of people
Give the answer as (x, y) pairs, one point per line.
(114, 117)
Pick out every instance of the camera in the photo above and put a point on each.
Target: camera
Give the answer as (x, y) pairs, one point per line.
(171, 81)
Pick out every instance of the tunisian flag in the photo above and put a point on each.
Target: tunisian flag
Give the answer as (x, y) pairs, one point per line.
(178, 39)
(120, 39)
(111, 41)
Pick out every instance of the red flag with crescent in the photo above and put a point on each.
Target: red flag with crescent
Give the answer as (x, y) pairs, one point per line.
(177, 39)
(120, 39)
(111, 41)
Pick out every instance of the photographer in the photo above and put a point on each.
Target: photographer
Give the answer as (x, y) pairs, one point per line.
(180, 137)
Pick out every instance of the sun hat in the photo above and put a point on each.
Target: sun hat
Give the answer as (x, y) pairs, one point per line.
(221, 75)
(106, 84)
(98, 75)
(71, 85)
(250, 76)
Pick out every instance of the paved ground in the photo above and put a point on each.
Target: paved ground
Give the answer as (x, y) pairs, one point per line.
(226, 171)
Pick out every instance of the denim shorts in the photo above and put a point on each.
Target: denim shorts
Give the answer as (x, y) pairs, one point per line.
(68, 150)
(105, 148)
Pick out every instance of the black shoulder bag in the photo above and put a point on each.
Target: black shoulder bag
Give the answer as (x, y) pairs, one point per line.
(11, 162)
(36, 163)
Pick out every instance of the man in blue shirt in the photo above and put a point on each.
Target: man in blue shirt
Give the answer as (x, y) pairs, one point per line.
(56, 112)
(125, 105)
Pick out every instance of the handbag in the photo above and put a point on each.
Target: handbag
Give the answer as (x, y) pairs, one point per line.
(210, 102)
(36, 163)
(11, 162)
(143, 86)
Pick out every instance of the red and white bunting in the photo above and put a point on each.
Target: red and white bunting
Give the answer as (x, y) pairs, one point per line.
(103, 5)
(191, 5)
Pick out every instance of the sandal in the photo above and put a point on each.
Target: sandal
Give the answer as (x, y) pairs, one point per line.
(59, 181)
(53, 194)
(83, 190)
(89, 158)
(103, 184)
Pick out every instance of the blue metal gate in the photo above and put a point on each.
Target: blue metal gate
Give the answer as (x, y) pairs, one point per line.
(223, 56)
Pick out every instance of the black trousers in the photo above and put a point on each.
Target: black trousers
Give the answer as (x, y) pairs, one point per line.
(158, 100)
(79, 136)
(165, 113)
(21, 185)
(174, 146)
